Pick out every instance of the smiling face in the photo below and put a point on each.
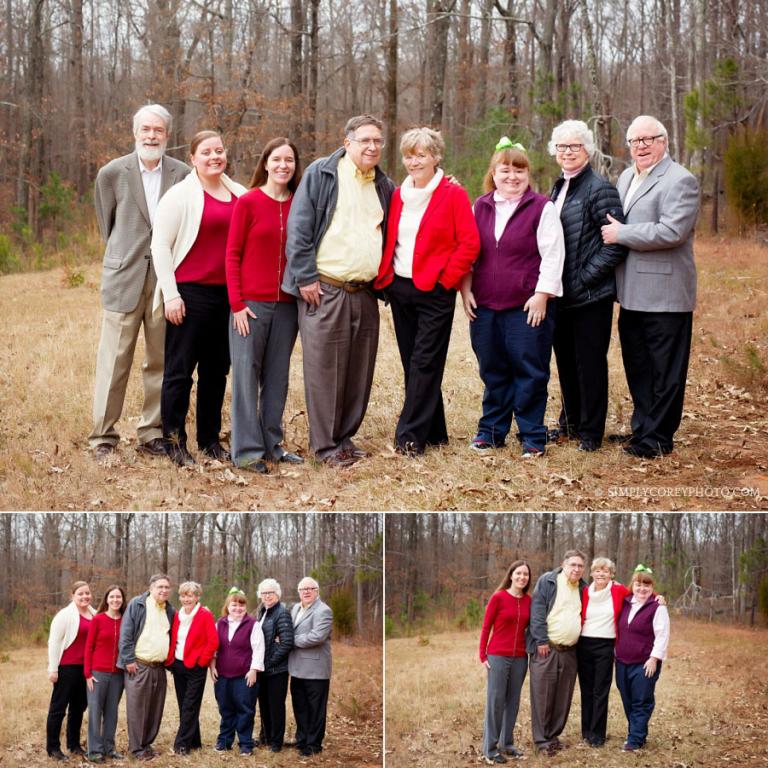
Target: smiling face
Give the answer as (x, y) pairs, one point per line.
(645, 157)
(642, 589)
(510, 180)
(364, 147)
(151, 137)
(573, 568)
(160, 590)
(269, 598)
(308, 592)
(210, 158)
(421, 166)
(601, 576)
(81, 597)
(236, 609)
(573, 155)
(188, 601)
(115, 600)
(520, 577)
(281, 165)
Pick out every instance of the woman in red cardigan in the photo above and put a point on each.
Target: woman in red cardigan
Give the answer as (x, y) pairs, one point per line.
(431, 243)
(194, 642)
(506, 623)
(264, 322)
(103, 679)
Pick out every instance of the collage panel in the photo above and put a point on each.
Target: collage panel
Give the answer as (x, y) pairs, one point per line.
(191, 639)
(576, 640)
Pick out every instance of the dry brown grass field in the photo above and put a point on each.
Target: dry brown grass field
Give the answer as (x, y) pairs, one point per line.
(711, 705)
(353, 737)
(46, 378)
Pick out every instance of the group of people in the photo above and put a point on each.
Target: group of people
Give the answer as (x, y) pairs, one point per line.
(564, 630)
(93, 656)
(219, 275)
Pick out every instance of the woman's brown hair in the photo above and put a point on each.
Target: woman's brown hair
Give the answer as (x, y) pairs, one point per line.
(199, 138)
(104, 605)
(507, 156)
(507, 580)
(259, 178)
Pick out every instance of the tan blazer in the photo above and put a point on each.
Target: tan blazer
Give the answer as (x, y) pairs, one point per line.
(123, 217)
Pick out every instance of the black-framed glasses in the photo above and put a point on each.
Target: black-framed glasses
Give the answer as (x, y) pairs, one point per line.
(644, 141)
(569, 147)
(307, 589)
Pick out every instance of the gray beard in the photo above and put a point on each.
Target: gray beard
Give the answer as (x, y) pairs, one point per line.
(150, 153)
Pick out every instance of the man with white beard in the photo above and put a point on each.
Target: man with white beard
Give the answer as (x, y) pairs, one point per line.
(126, 195)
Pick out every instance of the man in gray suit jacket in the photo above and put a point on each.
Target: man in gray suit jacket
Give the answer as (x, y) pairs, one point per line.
(656, 285)
(126, 195)
(309, 665)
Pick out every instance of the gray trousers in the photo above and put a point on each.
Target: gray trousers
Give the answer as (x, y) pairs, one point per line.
(505, 681)
(260, 364)
(339, 340)
(103, 702)
(144, 703)
(552, 682)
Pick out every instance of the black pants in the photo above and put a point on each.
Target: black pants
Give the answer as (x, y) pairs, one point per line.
(655, 348)
(68, 698)
(581, 340)
(310, 702)
(190, 686)
(272, 692)
(202, 340)
(595, 658)
(423, 322)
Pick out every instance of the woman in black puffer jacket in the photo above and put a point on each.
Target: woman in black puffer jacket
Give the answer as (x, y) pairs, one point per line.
(277, 626)
(585, 311)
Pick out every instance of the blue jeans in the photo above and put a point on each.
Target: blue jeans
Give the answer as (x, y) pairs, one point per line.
(514, 366)
(237, 707)
(637, 696)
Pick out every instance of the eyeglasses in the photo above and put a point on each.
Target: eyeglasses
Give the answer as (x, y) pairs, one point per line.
(569, 147)
(644, 141)
(377, 143)
(264, 594)
(307, 589)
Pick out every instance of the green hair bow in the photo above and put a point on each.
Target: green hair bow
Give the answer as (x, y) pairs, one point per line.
(643, 569)
(506, 143)
(234, 591)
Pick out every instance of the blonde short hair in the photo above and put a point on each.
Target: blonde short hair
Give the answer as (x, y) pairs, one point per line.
(603, 562)
(190, 588)
(428, 139)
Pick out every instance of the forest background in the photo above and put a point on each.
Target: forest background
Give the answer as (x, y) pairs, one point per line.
(76, 70)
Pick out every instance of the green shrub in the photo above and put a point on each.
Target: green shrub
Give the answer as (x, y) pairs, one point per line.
(746, 176)
(343, 606)
(9, 261)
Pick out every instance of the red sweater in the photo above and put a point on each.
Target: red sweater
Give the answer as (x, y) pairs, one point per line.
(447, 242)
(205, 261)
(102, 645)
(255, 260)
(202, 639)
(75, 652)
(618, 593)
(509, 617)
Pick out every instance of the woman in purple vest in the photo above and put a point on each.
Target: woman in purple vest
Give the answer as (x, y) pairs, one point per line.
(506, 300)
(234, 671)
(641, 646)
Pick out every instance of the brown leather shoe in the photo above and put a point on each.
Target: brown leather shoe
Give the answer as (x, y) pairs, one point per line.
(339, 460)
(153, 447)
(102, 450)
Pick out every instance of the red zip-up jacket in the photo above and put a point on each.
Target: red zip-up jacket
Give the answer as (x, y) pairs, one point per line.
(102, 645)
(447, 242)
(202, 639)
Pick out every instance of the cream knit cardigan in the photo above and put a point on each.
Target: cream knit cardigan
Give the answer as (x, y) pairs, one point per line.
(177, 222)
(63, 633)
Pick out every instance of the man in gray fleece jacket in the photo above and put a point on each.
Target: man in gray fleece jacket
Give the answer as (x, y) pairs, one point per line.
(334, 244)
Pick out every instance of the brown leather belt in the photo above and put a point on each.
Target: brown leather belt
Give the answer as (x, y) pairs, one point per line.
(150, 663)
(350, 286)
(557, 647)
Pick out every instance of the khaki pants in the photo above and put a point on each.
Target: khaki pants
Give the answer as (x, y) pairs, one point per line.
(552, 682)
(144, 704)
(119, 333)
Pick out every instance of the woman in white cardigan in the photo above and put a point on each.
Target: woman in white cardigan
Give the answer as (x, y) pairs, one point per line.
(66, 654)
(189, 241)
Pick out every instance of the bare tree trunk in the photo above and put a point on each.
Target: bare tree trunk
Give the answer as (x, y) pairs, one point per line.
(390, 111)
(78, 140)
(439, 24)
(481, 102)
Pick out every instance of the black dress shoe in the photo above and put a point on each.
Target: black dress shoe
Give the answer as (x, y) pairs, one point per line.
(275, 748)
(78, 750)
(291, 458)
(100, 451)
(57, 754)
(639, 452)
(617, 437)
(179, 455)
(153, 447)
(255, 465)
(588, 446)
(217, 451)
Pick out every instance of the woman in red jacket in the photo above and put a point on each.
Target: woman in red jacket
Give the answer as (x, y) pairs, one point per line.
(506, 623)
(103, 679)
(431, 243)
(264, 322)
(194, 642)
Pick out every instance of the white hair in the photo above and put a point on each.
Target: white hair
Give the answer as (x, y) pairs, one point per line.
(158, 110)
(269, 585)
(309, 582)
(642, 118)
(567, 128)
